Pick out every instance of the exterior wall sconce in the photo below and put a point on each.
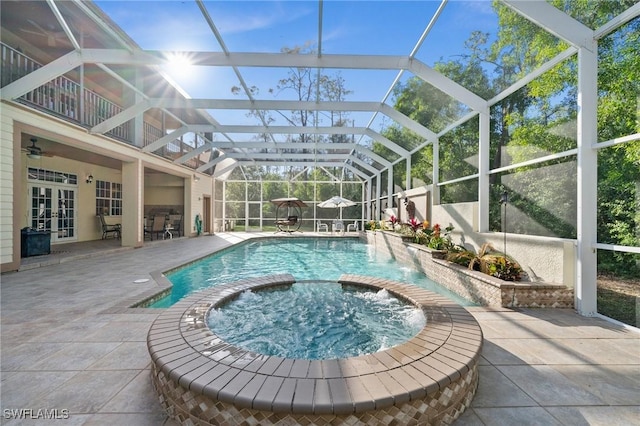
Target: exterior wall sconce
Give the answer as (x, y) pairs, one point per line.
(90, 179)
(196, 178)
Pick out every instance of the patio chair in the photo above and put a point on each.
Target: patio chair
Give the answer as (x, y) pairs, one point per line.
(323, 226)
(109, 229)
(352, 227)
(176, 221)
(337, 226)
(157, 226)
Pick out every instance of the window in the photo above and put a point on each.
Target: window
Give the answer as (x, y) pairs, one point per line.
(108, 198)
(52, 176)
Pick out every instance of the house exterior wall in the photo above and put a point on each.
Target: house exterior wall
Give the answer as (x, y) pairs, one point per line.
(7, 191)
(16, 120)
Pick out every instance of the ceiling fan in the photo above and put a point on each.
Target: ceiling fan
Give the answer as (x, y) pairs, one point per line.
(35, 152)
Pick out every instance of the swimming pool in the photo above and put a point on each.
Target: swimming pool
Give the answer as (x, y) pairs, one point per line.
(304, 258)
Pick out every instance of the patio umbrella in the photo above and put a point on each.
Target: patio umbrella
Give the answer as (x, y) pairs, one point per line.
(335, 202)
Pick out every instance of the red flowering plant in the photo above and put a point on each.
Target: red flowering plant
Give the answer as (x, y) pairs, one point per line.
(415, 224)
(415, 227)
(393, 221)
(439, 240)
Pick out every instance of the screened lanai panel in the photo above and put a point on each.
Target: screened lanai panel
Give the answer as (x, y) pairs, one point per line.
(302, 189)
(368, 21)
(619, 82)
(604, 11)
(470, 56)
(235, 191)
(254, 191)
(538, 120)
(422, 167)
(619, 195)
(272, 190)
(428, 105)
(617, 286)
(459, 192)
(324, 191)
(458, 151)
(470, 16)
(542, 199)
(236, 174)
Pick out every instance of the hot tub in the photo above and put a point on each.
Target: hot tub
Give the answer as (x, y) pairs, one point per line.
(429, 379)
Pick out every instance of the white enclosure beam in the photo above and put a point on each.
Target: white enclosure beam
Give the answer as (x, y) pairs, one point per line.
(375, 157)
(194, 153)
(284, 155)
(220, 59)
(484, 164)
(448, 86)
(120, 118)
(41, 76)
(554, 21)
(166, 139)
(587, 177)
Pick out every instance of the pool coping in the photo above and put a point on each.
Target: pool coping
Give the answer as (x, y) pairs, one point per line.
(187, 353)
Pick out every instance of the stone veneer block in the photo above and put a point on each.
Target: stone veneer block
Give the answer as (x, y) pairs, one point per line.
(203, 380)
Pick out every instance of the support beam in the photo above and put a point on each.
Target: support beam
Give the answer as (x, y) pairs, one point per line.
(554, 21)
(166, 139)
(41, 76)
(222, 59)
(586, 262)
(484, 164)
(120, 118)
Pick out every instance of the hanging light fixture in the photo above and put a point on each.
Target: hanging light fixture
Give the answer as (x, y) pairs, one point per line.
(504, 200)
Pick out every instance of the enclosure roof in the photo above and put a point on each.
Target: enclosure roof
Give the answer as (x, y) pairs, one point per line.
(236, 99)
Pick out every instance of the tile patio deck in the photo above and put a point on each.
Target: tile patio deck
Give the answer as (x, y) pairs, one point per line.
(64, 348)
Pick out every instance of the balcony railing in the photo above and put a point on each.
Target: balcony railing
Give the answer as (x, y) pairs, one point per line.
(62, 97)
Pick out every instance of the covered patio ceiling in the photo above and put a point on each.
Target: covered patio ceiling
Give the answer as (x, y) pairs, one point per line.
(252, 128)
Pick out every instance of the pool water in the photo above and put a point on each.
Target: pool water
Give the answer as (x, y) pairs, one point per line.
(315, 321)
(304, 258)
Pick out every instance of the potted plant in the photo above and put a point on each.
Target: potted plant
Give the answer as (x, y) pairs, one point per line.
(496, 264)
(414, 226)
(487, 261)
(440, 242)
(393, 221)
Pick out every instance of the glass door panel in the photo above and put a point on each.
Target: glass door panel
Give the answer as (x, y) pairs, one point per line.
(66, 215)
(41, 202)
(60, 221)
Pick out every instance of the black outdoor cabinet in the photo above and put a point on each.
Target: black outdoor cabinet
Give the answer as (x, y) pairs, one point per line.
(35, 243)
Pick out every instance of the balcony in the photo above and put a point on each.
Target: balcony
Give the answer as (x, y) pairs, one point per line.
(67, 99)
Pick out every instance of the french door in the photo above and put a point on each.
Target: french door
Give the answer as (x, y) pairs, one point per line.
(53, 208)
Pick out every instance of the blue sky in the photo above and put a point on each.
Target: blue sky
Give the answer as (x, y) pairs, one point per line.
(349, 27)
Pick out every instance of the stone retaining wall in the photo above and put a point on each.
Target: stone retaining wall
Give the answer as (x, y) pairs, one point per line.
(472, 285)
